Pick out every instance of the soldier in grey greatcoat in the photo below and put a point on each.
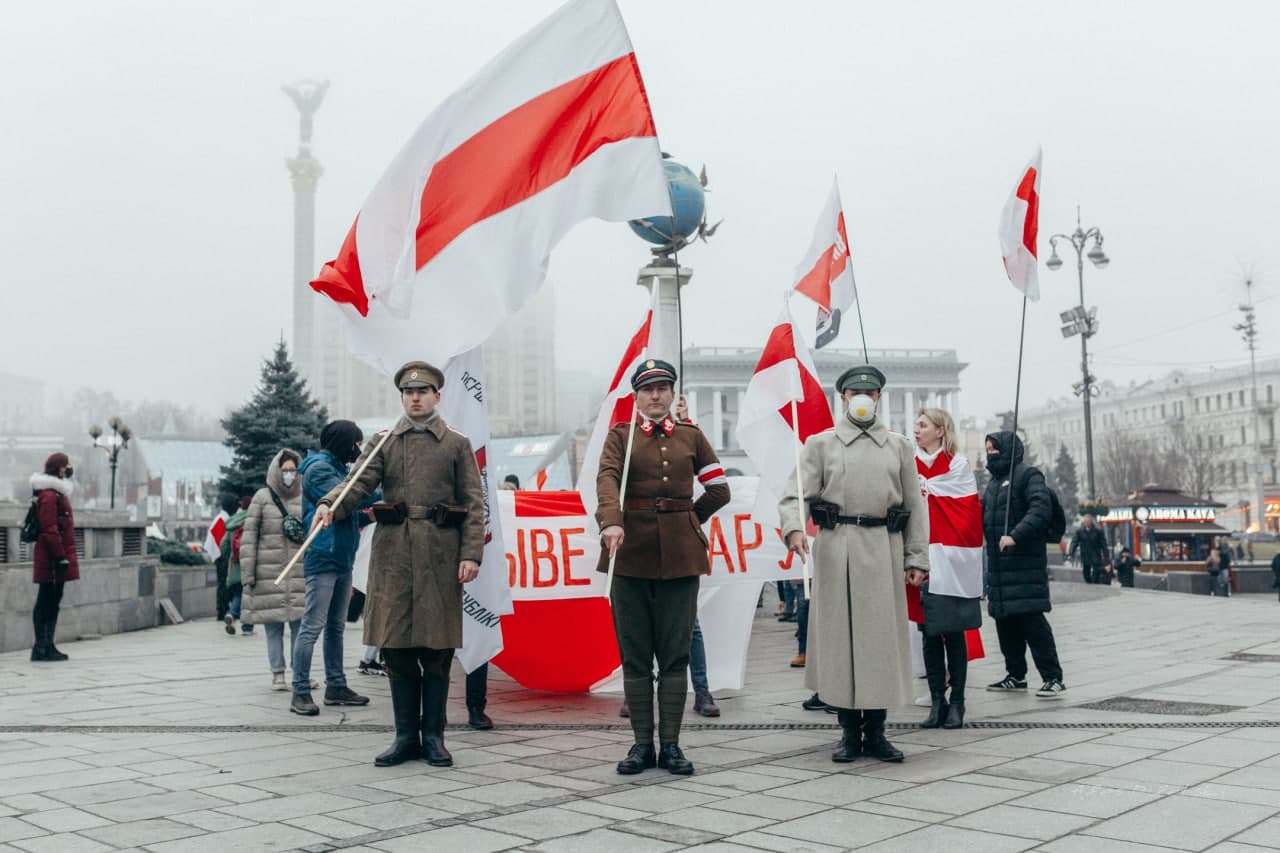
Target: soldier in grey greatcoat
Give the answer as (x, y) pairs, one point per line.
(859, 479)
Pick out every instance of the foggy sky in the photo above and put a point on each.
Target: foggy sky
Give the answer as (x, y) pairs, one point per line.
(146, 212)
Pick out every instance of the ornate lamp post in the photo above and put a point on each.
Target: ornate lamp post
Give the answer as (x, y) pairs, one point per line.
(1083, 322)
(112, 445)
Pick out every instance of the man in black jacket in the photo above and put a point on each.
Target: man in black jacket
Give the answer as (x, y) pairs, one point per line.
(1091, 544)
(1016, 513)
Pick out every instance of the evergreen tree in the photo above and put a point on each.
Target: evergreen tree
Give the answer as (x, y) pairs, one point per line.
(281, 414)
(1066, 482)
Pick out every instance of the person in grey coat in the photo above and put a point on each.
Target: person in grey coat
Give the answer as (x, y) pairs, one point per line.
(264, 551)
(861, 489)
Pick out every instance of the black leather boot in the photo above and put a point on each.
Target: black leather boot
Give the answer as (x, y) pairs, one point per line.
(671, 759)
(435, 694)
(406, 695)
(50, 628)
(955, 713)
(874, 743)
(39, 650)
(935, 667)
(478, 719)
(850, 746)
(641, 757)
(937, 711)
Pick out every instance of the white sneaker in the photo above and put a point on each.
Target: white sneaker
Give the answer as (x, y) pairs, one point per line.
(924, 701)
(277, 681)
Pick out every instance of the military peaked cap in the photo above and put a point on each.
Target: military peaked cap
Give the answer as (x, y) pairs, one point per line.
(419, 374)
(864, 377)
(650, 371)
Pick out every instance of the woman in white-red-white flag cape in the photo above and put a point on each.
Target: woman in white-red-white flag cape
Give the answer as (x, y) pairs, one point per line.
(1019, 227)
(457, 233)
(948, 606)
(766, 430)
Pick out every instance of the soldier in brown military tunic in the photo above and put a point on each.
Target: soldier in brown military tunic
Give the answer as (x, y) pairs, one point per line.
(428, 543)
(661, 553)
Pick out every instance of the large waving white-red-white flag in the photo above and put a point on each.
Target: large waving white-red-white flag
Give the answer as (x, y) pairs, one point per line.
(1019, 226)
(619, 404)
(826, 273)
(457, 233)
(766, 430)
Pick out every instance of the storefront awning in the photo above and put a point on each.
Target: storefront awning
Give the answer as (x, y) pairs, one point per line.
(1180, 528)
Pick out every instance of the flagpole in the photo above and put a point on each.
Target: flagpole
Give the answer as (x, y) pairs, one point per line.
(622, 490)
(857, 301)
(1017, 400)
(315, 528)
(795, 428)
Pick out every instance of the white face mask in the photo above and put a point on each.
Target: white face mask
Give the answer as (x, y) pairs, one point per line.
(862, 409)
(289, 478)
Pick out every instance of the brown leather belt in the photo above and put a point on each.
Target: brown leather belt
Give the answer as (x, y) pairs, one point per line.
(658, 505)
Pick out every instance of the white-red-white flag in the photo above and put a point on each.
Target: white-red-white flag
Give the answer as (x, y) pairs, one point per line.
(826, 273)
(1019, 226)
(488, 597)
(213, 539)
(618, 405)
(766, 430)
(457, 233)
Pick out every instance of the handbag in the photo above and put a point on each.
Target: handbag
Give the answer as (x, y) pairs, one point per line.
(294, 530)
(949, 614)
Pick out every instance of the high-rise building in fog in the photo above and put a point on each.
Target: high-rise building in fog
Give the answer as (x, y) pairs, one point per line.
(520, 375)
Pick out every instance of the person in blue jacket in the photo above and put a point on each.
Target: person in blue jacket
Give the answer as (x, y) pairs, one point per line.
(327, 567)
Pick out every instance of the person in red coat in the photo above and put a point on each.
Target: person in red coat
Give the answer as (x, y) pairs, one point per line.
(55, 551)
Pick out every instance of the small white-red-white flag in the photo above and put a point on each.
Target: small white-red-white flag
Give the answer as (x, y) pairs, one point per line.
(618, 406)
(766, 430)
(826, 273)
(1019, 226)
(457, 233)
(213, 539)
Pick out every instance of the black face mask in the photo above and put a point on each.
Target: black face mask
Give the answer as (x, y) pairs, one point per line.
(997, 464)
(69, 472)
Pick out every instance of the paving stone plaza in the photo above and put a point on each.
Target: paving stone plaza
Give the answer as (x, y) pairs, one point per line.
(171, 740)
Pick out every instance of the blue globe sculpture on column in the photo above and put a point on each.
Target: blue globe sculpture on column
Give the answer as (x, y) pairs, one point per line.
(689, 206)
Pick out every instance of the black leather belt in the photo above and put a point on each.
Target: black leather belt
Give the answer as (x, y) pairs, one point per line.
(862, 520)
(658, 504)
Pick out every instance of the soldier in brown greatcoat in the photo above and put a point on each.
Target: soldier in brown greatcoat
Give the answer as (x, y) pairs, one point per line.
(428, 543)
(661, 554)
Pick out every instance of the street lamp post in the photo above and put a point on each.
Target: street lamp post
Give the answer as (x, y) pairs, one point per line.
(1083, 322)
(1248, 330)
(112, 445)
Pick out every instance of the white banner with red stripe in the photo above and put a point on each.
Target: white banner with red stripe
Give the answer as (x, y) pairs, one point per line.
(551, 553)
(560, 637)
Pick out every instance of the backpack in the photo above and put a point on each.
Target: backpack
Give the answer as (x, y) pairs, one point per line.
(31, 524)
(1057, 517)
